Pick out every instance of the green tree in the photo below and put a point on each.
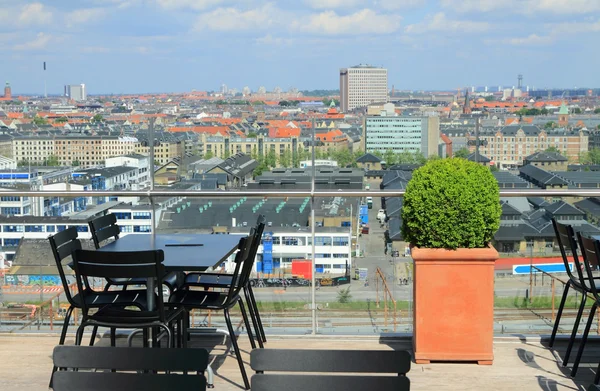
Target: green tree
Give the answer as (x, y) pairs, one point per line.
(544, 111)
(327, 101)
(258, 103)
(597, 110)
(494, 168)
(285, 158)
(252, 135)
(490, 98)
(284, 103)
(343, 157)
(576, 110)
(38, 121)
(344, 296)
(254, 154)
(75, 163)
(591, 157)
(226, 153)
(208, 155)
(97, 118)
(552, 149)
(390, 157)
(550, 125)
(406, 157)
(262, 167)
(421, 159)
(271, 158)
(62, 120)
(52, 161)
(463, 153)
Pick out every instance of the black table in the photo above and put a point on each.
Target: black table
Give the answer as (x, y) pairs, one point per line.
(215, 249)
(181, 251)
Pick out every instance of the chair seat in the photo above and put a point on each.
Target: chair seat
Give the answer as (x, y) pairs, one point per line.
(122, 316)
(199, 299)
(96, 299)
(209, 280)
(174, 280)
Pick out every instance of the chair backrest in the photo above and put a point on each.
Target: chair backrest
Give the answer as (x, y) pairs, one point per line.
(590, 250)
(189, 363)
(63, 244)
(322, 362)
(249, 262)
(121, 264)
(104, 228)
(241, 257)
(565, 236)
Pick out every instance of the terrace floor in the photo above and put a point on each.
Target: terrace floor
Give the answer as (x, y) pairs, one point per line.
(521, 362)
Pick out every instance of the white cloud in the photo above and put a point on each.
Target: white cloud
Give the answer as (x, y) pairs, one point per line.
(84, 15)
(331, 4)
(39, 43)
(233, 19)
(398, 4)
(574, 28)
(361, 22)
(192, 4)
(95, 49)
(531, 40)
(440, 23)
(274, 41)
(524, 6)
(34, 13)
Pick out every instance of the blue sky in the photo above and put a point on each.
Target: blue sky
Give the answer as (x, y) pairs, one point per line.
(122, 46)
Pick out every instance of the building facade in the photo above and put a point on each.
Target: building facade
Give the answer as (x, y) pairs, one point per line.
(362, 85)
(402, 134)
(76, 92)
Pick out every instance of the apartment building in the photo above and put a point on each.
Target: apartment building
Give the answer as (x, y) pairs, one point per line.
(362, 85)
(509, 146)
(227, 146)
(402, 134)
(33, 149)
(164, 151)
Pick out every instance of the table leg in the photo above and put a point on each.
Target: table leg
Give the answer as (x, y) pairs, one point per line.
(151, 284)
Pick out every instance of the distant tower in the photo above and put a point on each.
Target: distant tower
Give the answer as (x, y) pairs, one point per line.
(520, 84)
(563, 115)
(7, 91)
(467, 105)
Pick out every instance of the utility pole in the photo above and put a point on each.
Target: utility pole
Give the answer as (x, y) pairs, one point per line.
(312, 228)
(477, 139)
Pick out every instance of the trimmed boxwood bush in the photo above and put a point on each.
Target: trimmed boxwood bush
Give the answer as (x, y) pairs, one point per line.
(451, 203)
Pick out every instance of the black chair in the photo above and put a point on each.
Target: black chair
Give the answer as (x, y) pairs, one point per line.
(590, 249)
(125, 264)
(106, 228)
(565, 236)
(223, 281)
(321, 362)
(224, 301)
(63, 244)
(97, 369)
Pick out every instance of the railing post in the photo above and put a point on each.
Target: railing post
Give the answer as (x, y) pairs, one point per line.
(51, 315)
(552, 288)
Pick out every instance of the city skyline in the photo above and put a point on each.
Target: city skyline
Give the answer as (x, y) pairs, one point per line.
(144, 46)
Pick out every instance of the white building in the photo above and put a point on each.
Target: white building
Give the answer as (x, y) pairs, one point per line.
(362, 85)
(76, 92)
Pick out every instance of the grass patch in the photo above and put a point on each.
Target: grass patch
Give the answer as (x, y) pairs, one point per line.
(542, 302)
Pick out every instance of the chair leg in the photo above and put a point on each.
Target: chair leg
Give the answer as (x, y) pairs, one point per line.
(254, 321)
(236, 349)
(93, 337)
(575, 328)
(113, 337)
(63, 336)
(584, 337)
(559, 314)
(79, 334)
(258, 319)
(597, 378)
(246, 323)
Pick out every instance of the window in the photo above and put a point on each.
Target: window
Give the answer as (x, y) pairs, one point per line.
(122, 215)
(141, 215)
(10, 211)
(80, 228)
(141, 228)
(10, 199)
(60, 228)
(126, 228)
(13, 228)
(322, 241)
(34, 228)
(340, 241)
(50, 228)
(12, 242)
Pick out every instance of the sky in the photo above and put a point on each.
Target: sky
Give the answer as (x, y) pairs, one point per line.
(137, 46)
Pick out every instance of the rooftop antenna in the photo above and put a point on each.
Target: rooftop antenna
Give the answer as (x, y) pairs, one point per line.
(520, 84)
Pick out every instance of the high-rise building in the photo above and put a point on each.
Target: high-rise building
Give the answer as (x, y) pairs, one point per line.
(362, 85)
(76, 92)
(402, 134)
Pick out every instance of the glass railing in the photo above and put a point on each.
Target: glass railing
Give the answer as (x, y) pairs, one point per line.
(325, 265)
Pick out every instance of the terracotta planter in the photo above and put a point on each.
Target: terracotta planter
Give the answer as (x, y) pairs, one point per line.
(454, 305)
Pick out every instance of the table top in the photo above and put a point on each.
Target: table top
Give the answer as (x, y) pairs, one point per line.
(215, 249)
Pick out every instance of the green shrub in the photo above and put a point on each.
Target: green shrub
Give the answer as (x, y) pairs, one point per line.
(451, 203)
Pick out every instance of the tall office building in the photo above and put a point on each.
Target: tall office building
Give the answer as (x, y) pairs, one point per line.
(362, 85)
(402, 134)
(76, 92)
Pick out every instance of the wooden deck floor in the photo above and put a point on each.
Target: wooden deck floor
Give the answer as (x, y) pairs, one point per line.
(521, 363)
